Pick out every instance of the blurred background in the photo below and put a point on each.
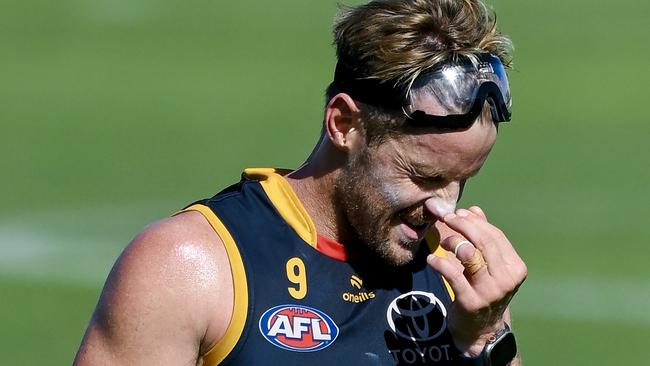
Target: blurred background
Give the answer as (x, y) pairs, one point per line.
(115, 113)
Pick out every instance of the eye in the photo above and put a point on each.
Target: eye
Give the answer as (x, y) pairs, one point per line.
(428, 180)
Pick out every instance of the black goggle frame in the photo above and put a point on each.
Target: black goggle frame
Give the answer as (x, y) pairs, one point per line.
(374, 92)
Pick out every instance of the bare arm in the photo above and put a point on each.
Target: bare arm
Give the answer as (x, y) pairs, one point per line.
(160, 303)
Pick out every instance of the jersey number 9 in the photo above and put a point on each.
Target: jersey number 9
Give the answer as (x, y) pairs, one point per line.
(298, 276)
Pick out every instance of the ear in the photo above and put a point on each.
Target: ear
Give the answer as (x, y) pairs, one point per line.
(343, 123)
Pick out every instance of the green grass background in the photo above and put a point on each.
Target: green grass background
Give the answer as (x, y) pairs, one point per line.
(115, 113)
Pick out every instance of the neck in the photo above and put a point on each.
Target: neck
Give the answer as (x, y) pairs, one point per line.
(314, 184)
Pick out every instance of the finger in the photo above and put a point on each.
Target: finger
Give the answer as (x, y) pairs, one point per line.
(444, 231)
(449, 242)
(490, 240)
(494, 234)
(462, 246)
(503, 261)
(478, 212)
(475, 263)
(453, 275)
(449, 254)
(458, 247)
(453, 261)
(470, 258)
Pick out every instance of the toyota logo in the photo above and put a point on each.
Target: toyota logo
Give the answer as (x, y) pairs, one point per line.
(417, 315)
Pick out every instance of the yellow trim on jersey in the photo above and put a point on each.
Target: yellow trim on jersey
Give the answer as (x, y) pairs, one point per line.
(240, 303)
(292, 211)
(434, 245)
(285, 201)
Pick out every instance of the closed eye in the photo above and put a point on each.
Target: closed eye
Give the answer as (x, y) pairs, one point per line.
(424, 180)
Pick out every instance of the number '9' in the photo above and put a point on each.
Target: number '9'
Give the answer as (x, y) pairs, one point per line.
(298, 276)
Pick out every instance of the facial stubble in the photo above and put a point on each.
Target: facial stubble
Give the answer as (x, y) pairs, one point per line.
(369, 208)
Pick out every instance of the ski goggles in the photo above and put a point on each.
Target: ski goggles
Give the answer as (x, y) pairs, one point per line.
(451, 96)
(454, 95)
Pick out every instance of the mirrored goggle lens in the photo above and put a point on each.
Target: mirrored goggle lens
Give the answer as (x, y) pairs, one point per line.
(458, 92)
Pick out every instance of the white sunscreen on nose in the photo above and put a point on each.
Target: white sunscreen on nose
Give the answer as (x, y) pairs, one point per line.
(440, 206)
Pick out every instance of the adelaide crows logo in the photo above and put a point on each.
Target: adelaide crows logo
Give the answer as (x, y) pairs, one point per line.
(298, 328)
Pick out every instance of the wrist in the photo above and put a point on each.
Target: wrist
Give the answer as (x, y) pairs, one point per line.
(472, 348)
(500, 349)
(471, 344)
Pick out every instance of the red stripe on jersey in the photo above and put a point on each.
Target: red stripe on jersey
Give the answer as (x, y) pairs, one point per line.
(331, 248)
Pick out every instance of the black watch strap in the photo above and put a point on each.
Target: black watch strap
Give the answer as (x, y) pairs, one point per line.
(499, 350)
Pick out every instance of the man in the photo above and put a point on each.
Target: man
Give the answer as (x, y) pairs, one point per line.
(328, 264)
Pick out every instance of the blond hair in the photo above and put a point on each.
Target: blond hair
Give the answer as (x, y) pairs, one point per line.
(395, 40)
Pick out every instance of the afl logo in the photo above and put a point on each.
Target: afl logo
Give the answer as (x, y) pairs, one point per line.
(298, 328)
(417, 316)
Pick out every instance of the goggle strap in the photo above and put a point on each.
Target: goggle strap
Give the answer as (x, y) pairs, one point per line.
(370, 91)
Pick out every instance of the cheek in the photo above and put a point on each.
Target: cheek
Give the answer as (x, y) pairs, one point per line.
(394, 194)
(389, 193)
(384, 191)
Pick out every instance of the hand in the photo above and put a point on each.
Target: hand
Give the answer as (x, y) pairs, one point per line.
(481, 297)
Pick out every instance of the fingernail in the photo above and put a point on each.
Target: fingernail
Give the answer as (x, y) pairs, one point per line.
(462, 213)
(431, 259)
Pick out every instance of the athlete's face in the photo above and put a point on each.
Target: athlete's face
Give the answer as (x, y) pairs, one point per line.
(393, 192)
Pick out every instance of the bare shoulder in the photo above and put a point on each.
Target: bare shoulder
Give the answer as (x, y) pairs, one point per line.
(181, 253)
(159, 302)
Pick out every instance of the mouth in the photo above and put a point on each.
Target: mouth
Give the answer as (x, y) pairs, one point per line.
(413, 230)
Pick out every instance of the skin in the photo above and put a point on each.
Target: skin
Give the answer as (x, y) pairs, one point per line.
(157, 306)
(393, 192)
(424, 169)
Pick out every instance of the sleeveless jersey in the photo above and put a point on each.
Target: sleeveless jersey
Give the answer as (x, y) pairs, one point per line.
(298, 300)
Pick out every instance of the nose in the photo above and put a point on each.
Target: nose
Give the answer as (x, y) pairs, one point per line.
(443, 201)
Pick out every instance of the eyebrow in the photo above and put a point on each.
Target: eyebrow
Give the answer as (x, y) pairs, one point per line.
(436, 172)
(427, 171)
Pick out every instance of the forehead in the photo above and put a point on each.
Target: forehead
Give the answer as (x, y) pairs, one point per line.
(456, 154)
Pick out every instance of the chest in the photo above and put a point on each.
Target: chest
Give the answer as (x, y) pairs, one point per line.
(305, 308)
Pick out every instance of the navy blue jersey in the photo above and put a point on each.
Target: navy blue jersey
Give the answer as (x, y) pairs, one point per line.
(301, 300)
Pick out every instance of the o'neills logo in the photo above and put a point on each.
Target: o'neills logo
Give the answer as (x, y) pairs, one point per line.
(358, 297)
(298, 328)
(417, 316)
(361, 296)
